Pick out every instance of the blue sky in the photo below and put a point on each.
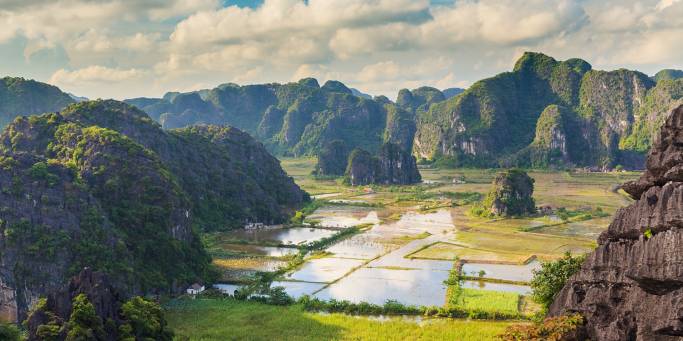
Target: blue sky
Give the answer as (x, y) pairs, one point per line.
(122, 49)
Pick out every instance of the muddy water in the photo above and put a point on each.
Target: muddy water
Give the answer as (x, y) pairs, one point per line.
(296, 235)
(518, 273)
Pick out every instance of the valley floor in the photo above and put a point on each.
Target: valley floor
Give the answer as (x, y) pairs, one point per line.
(409, 244)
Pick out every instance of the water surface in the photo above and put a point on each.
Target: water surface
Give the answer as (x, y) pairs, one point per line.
(295, 235)
(373, 285)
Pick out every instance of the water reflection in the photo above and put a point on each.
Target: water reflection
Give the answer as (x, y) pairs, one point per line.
(518, 273)
(295, 235)
(259, 250)
(298, 289)
(325, 269)
(373, 285)
(520, 289)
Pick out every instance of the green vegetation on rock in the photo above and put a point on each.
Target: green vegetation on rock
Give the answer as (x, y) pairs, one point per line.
(511, 195)
(103, 186)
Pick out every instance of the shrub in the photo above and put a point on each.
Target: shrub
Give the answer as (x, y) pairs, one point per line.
(551, 329)
(552, 276)
(9, 332)
(144, 320)
(84, 324)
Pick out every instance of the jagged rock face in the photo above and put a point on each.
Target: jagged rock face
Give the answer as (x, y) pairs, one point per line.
(362, 168)
(392, 166)
(332, 159)
(512, 194)
(631, 287)
(397, 166)
(58, 305)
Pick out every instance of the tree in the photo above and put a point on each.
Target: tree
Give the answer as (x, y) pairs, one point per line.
(144, 320)
(9, 332)
(552, 276)
(84, 324)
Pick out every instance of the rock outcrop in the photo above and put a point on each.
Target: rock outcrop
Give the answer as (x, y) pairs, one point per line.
(111, 318)
(332, 159)
(511, 195)
(392, 166)
(631, 287)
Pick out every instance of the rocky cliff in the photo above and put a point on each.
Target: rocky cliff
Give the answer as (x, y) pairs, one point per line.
(20, 96)
(101, 185)
(631, 287)
(392, 166)
(332, 159)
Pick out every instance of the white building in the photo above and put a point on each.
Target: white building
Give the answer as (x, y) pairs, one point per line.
(195, 289)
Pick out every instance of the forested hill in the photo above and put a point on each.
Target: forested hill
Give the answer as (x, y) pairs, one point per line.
(19, 96)
(290, 119)
(547, 112)
(102, 185)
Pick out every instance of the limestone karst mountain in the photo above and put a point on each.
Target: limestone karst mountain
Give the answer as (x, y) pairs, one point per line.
(102, 185)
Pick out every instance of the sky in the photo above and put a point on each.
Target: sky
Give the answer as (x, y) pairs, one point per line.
(134, 48)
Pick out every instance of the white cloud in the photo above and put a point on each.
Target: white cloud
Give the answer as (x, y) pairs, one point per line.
(380, 46)
(94, 74)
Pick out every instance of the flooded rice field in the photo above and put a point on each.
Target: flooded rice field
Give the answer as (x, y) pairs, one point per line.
(505, 287)
(404, 257)
(377, 285)
(325, 269)
(294, 236)
(517, 273)
(258, 250)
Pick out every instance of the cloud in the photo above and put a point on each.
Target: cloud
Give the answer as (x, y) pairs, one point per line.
(128, 48)
(94, 74)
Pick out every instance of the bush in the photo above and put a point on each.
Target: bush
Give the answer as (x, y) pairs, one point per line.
(551, 329)
(552, 276)
(84, 324)
(144, 320)
(9, 332)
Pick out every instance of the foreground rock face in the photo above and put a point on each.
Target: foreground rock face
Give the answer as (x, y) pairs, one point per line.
(631, 287)
(393, 166)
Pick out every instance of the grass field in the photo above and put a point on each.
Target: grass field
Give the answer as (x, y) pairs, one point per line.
(485, 300)
(214, 319)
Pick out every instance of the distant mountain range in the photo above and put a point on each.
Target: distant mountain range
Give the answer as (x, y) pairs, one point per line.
(544, 113)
